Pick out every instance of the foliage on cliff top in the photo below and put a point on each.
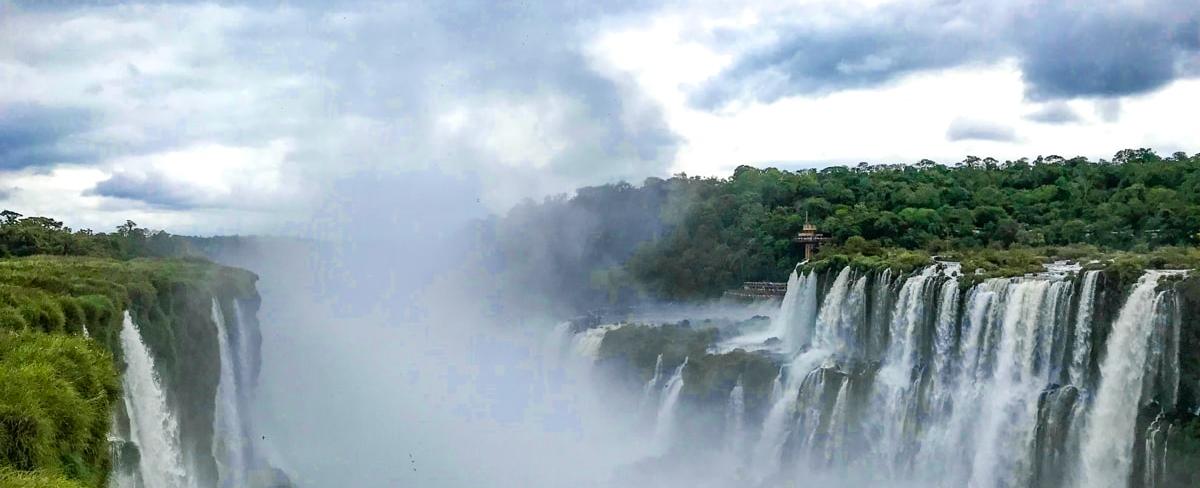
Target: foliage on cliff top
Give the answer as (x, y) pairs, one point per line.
(60, 294)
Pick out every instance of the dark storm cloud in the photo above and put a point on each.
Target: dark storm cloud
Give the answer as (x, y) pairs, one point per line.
(1097, 52)
(150, 187)
(978, 130)
(1065, 50)
(819, 59)
(33, 135)
(1054, 113)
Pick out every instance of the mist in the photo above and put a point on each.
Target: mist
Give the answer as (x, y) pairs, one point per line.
(388, 359)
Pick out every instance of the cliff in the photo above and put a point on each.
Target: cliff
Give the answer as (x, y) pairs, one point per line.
(61, 360)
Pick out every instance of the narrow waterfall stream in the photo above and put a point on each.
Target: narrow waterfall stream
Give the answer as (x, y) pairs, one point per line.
(153, 426)
(229, 435)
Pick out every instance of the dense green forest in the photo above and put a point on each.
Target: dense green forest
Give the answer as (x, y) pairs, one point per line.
(693, 237)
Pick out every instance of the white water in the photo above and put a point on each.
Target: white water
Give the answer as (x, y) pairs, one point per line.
(664, 426)
(587, 343)
(152, 425)
(829, 333)
(792, 324)
(968, 390)
(229, 437)
(1108, 442)
(735, 420)
(1081, 357)
(652, 384)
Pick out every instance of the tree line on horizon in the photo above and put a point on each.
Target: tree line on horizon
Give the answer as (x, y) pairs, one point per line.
(690, 237)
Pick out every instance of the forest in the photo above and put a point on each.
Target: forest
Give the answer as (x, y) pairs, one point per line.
(690, 237)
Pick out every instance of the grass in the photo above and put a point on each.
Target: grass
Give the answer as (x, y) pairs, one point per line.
(37, 479)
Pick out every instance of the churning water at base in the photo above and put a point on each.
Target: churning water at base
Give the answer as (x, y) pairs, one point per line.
(152, 425)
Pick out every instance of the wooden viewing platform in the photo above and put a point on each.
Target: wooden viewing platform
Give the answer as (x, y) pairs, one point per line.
(810, 239)
(758, 290)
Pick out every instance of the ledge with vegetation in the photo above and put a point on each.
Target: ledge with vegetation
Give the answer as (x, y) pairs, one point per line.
(60, 319)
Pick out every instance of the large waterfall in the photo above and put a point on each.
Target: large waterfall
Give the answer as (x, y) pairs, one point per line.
(919, 380)
(153, 426)
(229, 434)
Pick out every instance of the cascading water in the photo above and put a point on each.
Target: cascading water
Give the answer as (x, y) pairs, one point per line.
(735, 419)
(229, 434)
(664, 427)
(152, 425)
(1082, 350)
(917, 380)
(1108, 443)
(652, 384)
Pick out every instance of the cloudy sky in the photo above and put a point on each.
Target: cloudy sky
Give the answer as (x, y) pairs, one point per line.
(254, 117)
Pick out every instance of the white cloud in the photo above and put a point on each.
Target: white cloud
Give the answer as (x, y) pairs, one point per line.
(903, 121)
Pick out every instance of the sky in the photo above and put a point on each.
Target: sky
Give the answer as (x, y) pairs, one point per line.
(265, 117)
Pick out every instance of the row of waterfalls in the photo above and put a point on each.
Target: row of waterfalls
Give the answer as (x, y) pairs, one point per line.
(917, 380)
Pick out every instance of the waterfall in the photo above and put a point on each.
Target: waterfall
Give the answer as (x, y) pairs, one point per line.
(1155, 454)
(915, 380)
(892, 400)
(803, 320)
(1021, 370)
(587, 343)
(829, 334)
(664, 427)
(152, 425)
(1082, 350)
(229, 435)
(735, 419)
(838, 425)
(784, 320)
(652, 384)
(1108, 443)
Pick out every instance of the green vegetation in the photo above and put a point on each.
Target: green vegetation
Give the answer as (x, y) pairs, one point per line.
(634, 349)
(740, 228)
(692, 238)
(22, 479)
(28, 236)
(56, 393)
(1183, 449)
(58, 387)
